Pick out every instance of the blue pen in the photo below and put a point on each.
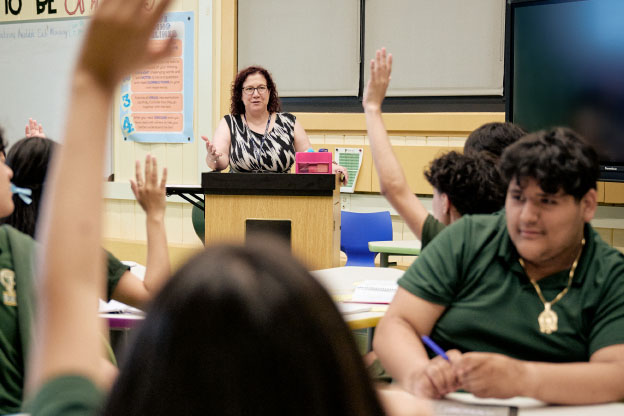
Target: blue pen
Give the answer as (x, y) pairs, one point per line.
(434, 347)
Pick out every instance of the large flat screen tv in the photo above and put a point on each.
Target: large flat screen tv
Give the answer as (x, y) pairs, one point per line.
(565, 67)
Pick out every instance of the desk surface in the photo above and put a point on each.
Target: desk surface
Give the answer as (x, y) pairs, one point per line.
(531, 407)
(406, 247)
(340, 282)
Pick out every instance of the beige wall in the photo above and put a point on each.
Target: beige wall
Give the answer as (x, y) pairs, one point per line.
(417, 139)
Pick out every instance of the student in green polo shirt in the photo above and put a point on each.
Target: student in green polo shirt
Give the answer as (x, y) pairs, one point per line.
(527, 302)
(29, 159)
(463, 184)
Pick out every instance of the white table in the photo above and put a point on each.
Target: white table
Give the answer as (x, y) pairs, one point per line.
(340, 282)
(531, 407)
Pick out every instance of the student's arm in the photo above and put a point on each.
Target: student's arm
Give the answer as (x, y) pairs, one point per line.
(218, 151)
(495, 375)
(399, 348)
(392, 182)
(71, 272)
(151, 195)
(397, 402)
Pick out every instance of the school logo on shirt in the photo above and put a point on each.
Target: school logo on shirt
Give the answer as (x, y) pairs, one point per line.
(7, 279)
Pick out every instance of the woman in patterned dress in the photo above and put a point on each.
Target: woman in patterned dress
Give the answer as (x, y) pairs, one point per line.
(256, 136)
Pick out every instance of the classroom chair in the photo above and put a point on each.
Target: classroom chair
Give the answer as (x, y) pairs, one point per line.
(199, 222)
(357, 229)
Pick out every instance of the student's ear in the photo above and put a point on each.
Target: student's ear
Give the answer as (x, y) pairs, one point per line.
(446, 203)
(589, 203)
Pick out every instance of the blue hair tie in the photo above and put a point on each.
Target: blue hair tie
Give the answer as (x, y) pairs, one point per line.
(23, 193)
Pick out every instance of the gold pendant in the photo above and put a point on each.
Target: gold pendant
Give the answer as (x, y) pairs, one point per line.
(7, 279)
(547, 320)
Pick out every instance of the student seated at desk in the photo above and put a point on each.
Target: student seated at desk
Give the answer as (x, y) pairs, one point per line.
(237, 330)
(463, 184)
(527, 302)
(29, 159)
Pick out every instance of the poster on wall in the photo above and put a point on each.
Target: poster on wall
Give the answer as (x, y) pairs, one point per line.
(157, 102)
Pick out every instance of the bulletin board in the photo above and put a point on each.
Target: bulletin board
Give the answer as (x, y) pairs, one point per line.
(157, 102)
(37, 59)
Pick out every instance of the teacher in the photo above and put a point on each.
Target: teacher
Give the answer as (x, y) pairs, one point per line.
(256, 136)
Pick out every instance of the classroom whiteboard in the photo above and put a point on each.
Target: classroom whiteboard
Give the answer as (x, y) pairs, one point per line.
(36, 63)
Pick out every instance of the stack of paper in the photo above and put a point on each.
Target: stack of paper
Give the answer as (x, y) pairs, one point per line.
(374, 291)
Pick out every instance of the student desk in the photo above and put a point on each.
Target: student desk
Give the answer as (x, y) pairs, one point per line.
(531, 407)
(394, 248)
(340, 282)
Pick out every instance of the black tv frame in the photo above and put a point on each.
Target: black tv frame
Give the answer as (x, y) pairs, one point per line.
(608, 172)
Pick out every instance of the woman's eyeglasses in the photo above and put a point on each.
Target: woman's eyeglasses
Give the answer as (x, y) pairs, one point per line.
(262, 89)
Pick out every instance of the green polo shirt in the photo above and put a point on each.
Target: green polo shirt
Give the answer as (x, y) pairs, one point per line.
(11, 358)
(472, 269)
(68, 395)
(431, 228)
(11, 349)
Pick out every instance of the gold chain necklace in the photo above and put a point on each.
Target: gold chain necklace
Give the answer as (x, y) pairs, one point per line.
(548, 318)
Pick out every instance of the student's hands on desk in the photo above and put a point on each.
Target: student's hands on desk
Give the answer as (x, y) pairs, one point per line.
(490, 375)
(438, 378)
(482, 374)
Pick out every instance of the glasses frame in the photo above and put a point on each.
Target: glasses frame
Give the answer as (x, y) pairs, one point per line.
(252, 89)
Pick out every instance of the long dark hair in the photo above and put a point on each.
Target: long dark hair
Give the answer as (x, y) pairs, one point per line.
(243, 331)
(29, 159)
(237, 107)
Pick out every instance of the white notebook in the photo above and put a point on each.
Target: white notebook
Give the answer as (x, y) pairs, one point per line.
(374, 291)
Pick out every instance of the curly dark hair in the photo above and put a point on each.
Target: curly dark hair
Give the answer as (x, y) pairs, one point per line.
(237, 107)
(493, 138)
(471, 182)
(557, 159)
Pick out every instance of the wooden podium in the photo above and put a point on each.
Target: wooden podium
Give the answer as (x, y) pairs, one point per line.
(308, 205)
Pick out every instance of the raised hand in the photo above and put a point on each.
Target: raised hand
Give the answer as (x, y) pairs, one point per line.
(34, 129)
(380, 70)
(149, 192)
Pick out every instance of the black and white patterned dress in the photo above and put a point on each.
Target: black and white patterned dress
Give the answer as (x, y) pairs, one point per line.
(249, 154)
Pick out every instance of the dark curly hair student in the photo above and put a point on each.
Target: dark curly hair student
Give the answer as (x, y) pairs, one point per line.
(493, 138)
(472, 183)
(558, 159)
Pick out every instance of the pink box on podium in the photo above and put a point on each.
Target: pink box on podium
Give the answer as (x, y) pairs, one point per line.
(313, 162)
